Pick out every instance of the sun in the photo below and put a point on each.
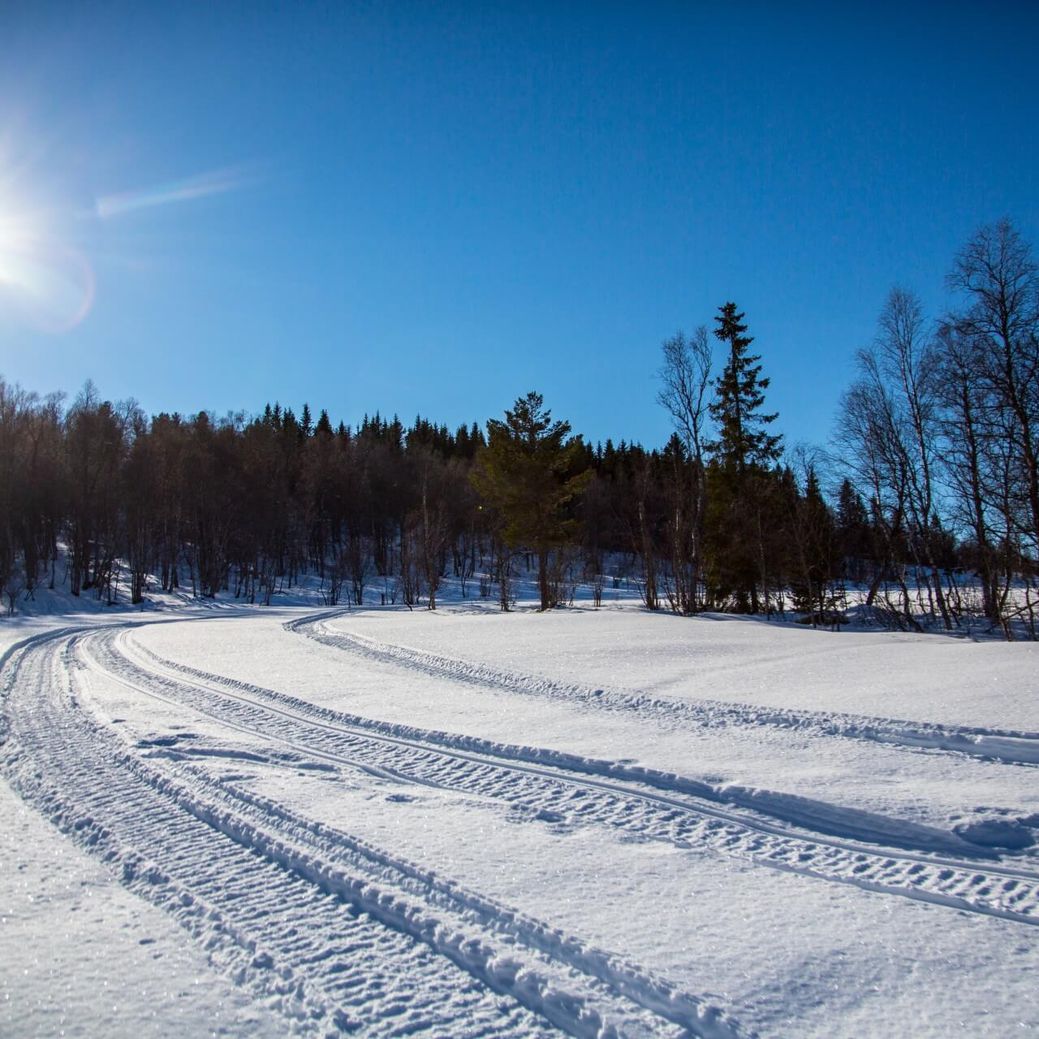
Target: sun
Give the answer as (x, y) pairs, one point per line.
(15, 238)
(45, 284)
(9, 232)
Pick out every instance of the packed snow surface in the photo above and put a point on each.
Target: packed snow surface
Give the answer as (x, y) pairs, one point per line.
(464, 823)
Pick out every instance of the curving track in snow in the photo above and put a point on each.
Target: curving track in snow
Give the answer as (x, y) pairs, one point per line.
(327, 929)
(1009, 746)
(938, 867)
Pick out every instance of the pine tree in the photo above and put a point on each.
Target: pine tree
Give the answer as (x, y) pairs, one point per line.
(529, 471)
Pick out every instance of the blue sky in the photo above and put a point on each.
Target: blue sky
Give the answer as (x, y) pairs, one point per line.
(437, 207)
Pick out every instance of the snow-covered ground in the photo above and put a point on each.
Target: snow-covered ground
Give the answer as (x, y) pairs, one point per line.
(460, 823)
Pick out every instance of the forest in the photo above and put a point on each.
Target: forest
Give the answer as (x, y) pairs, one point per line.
(925, 503)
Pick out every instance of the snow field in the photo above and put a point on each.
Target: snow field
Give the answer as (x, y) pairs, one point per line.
(457, 824)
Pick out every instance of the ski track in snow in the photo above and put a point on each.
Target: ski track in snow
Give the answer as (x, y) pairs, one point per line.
(1008, 746)
(555, 787)
(328, 930)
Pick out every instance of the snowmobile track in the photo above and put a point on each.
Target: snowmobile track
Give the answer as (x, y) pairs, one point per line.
(321, 925)
(1007, 746)
(548, 785)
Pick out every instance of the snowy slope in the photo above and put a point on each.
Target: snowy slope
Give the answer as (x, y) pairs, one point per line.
(587, 822)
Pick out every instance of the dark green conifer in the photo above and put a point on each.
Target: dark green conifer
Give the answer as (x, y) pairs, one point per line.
(743, 440)
(742, 500)
(529, 471)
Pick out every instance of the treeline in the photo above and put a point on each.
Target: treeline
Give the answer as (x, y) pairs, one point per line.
(249, 507)
(929, 503)
(934, 468)
(242, 506)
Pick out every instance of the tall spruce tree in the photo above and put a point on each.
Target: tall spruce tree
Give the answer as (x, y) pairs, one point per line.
(743, 439)
(741, 556)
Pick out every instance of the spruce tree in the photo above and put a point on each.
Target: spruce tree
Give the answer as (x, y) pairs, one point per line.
(855, 538)
(743, 440)
(740, 483)
(813, 552)
(324, 424)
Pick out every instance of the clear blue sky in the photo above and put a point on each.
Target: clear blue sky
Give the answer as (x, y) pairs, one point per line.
(436, 207)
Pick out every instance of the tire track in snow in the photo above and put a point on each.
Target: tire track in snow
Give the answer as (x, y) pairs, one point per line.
(553, 786)
(266, 889)
(1017, 747)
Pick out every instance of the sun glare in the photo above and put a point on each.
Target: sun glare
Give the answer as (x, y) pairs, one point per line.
(45, 284)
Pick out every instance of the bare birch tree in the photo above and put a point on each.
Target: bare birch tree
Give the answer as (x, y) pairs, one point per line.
(686, 376)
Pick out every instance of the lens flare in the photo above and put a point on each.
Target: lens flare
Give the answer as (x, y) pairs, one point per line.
(47, 282)
(215, 182)
(44, 284)
(50, 288)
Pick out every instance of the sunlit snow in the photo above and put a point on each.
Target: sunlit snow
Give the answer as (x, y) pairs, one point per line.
(587, 822)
